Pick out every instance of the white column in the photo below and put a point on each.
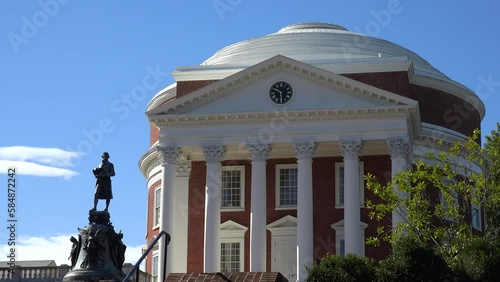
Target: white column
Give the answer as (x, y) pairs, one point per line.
(168, 158)
(180, 248)
(400, 149)
(305, 231)
(352, 218)
(258, 233)
(213, 154)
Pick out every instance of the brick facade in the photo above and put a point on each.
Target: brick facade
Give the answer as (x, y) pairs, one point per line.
(436, 107)
(325, 212)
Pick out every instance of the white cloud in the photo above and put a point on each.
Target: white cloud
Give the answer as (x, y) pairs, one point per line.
(47, 162)
(27, 168)
(55, 248)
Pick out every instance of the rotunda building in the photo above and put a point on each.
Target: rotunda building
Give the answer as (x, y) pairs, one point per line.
(257, 156)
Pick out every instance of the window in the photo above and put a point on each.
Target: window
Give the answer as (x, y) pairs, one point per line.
(476, 217)
(341, 247)
(286, 186)
(155, 268)
(232, 239)
(156, 219)
(447, 201)
(230, 257)
(339, 185)
(340, 239)
(233, 188)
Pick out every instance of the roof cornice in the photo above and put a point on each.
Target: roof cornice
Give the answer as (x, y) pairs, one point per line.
(269, 67)
(172, 121)
(384, 64)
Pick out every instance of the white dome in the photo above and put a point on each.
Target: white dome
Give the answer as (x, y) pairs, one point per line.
(317, 44)
(330, 46)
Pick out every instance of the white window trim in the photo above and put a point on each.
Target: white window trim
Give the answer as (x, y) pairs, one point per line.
(242, 188)
(156, 224)
(338, 165)
(476, 212)
(445, 204)
(232, 232)
(339, 235)
(156, 254)
(277, 185)
(240, 241)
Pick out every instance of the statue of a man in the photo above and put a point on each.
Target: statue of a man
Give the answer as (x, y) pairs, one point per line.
(103, 174)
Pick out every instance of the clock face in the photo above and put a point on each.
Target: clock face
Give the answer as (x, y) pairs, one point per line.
(281, 92)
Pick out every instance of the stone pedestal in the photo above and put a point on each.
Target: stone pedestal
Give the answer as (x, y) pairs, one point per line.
(98, 253)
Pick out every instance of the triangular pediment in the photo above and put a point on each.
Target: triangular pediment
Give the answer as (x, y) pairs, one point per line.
(340, 225)
(232, 226)
(231, 229)
(248, 92)
(287, 221)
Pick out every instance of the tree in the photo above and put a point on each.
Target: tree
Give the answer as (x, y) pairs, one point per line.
(492, 149)
(444, 194)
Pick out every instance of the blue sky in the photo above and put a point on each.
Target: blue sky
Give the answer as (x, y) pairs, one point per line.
(76, 77)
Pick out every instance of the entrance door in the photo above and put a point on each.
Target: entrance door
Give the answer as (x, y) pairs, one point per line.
(285, 256)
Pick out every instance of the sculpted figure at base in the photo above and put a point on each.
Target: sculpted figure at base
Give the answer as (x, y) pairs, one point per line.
(98, 253)
(103, 173)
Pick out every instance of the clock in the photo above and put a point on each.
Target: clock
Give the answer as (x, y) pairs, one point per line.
(281, 92)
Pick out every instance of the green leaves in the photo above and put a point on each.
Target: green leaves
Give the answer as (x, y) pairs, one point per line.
(437, 194)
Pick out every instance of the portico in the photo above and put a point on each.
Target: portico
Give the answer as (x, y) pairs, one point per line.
(354, 121)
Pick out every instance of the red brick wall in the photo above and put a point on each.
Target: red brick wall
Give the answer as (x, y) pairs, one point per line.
(186, 87)
(154, 134)
(150, 233)
(196, 217)
(436, 107)
(324, 212)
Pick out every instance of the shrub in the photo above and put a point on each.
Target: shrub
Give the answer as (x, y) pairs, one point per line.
(351, 268)
(479, 260)
(412, 261)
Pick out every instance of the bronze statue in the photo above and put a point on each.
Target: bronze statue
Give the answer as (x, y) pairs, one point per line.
(103, 173)
(73, 256)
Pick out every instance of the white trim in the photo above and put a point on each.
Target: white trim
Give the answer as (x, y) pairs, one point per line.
(339, 235)
(232, 232)
(156, 222)
(338, 165)
(155, 175)
(476, 219)
(241, 169)
(277, 185)
(241, 243)
(283, 228)
(153, 256)
(272, 66)
(445, 203)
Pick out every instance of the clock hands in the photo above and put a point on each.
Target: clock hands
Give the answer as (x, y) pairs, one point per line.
(281, 94)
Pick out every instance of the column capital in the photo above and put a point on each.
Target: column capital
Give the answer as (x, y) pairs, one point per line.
(350, 148)
(183, 168)
(305, 150)
(399, 147)
(214, 153)
(168, 154)
(259, 151)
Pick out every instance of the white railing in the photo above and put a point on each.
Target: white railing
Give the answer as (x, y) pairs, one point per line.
(53, 273)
